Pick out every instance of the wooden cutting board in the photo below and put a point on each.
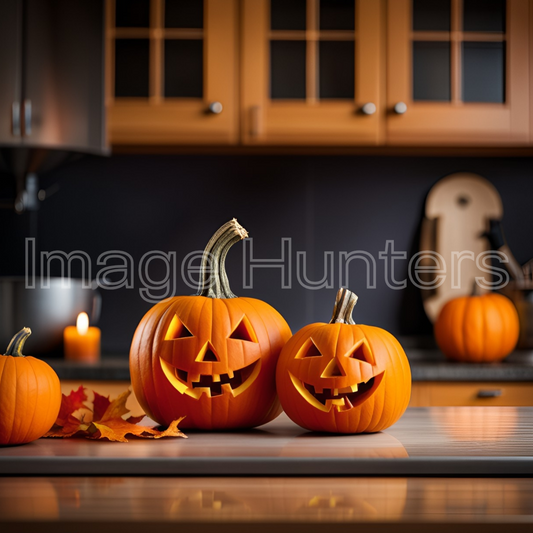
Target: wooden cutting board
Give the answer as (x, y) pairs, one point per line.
(457, 213)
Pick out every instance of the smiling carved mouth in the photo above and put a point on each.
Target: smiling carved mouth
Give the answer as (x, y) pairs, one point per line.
(235, 382)
(342, 399)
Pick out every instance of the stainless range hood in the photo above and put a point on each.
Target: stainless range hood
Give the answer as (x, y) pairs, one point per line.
(52, 102)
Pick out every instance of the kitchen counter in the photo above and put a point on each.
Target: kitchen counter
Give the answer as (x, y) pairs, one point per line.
(436, 441)
(426, 365)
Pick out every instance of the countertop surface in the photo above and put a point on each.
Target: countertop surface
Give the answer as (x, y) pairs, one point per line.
(426, 365)
(425, 441)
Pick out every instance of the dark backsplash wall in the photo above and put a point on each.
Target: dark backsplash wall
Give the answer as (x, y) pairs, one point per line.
(174, 203)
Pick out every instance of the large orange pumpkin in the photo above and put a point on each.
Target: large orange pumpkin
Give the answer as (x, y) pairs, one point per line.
(210, 357)
(30, 394)
(477, 329)
(342, 377)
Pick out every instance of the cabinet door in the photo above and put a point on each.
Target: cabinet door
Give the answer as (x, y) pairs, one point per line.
(311, 72)
(458, 72)
(10, 63)
(172, 69)
(63, 92)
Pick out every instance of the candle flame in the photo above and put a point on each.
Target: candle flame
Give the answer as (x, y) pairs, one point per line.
(82, 323)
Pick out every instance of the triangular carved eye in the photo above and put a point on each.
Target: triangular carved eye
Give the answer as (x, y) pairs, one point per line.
(362, 353)
(177, 330)
(309, 350)
(244, 331)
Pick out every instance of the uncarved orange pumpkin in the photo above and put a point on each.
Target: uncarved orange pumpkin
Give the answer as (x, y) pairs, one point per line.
(30, 394)
(210, 357)
(342, 377)
(477, 329)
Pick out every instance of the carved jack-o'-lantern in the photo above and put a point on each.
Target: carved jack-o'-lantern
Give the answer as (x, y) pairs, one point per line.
(210, 357)
(342, 377)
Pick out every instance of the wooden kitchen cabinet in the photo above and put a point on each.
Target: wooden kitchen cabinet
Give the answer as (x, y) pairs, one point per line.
(311, 72)
(428, 394)
(172, 71)
(320, 72)
(458, 72)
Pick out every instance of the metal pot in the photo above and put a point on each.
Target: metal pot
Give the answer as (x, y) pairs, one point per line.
(47, 311)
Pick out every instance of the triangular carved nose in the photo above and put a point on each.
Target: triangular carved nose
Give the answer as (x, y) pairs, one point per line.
(333, 370)
(207, 354)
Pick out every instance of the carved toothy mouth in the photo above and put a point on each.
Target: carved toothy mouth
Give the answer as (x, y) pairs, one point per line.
(235, 382)
(342, 399)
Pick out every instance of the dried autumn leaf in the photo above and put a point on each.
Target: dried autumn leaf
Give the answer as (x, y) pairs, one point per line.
(108, 419)
(116, 429)
(71, 403)
(100, 405)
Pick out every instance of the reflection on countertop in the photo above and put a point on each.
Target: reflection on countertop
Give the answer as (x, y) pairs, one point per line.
(169, 504)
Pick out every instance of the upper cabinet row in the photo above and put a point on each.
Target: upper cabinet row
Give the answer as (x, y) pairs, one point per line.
(319, 72)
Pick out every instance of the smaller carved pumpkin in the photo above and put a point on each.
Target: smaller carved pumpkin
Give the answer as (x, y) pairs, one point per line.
(30, 394)
(342, 377)
(477, 329)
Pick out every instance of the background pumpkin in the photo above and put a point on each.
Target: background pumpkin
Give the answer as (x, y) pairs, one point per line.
(30, 394)
(477, 329)
(342, 377)
(210, 357)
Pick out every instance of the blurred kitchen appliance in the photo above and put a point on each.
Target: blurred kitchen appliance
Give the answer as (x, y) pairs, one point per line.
(52, 91)
(47, 311)
(457, 214)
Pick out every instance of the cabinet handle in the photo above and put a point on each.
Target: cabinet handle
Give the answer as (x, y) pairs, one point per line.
(256, 122)
(400, 108)
(215, 108)
(489, 393)
(15, 119)
(27, 116)
(369, 108)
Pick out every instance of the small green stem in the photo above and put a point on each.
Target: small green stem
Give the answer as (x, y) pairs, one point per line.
(344, 304)
(214, 281)
(17, 343)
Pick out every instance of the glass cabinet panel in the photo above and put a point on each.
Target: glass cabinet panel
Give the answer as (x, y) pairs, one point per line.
(336, 71)
(312, 49)
(132, 14)
(337, 15)
(484, 15)
(288, 14)
(431, 15)
(132, 68)
(287, 66)
(179, 14)
(431, 70)
(484, 72)
(159, 49)
(458, 50)
(183, 68)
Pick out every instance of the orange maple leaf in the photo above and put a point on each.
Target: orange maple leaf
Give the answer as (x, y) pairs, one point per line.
(108, 419)
(71, 403)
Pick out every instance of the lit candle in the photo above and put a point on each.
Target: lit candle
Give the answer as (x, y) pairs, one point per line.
(81, 342)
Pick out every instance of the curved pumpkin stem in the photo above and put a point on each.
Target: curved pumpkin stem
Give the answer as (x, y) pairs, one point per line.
(17, 343)
(344, 304)
(214, 281)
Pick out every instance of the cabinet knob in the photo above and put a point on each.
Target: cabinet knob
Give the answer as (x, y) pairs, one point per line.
(400, 108)
(215, 108)
(369, 108)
